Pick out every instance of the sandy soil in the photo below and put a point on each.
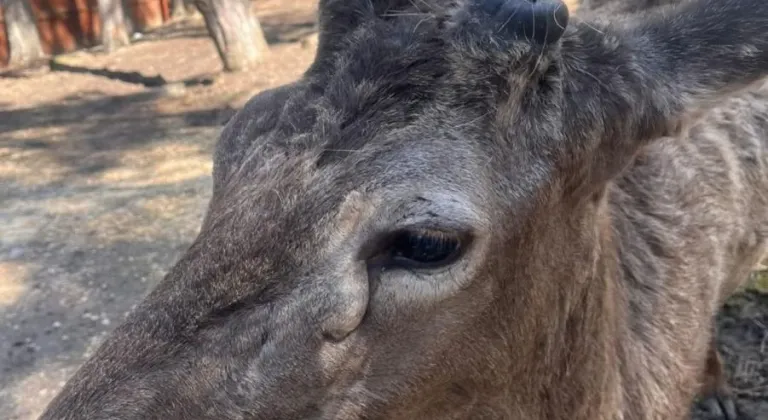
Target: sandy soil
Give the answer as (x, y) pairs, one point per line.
(103, 185)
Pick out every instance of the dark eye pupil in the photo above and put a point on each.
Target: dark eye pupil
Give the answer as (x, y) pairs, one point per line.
(424, 248)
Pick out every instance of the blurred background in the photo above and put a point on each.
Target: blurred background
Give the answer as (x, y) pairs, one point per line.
(109, 111)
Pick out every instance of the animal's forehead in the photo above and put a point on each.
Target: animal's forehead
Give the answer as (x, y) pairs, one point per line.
(425, 155)
(294, 186)
(385, 78)
(382, 82)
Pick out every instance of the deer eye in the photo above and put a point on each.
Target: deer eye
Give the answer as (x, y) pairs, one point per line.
(424, 248)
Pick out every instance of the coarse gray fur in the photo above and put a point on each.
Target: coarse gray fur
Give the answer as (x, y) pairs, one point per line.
(613, 183)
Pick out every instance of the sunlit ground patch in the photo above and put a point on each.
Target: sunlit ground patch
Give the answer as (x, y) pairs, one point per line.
(31, 394)
(12, 282)
(160, 164)
(18, 153)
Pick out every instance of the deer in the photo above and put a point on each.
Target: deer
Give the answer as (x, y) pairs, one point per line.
(466, 209)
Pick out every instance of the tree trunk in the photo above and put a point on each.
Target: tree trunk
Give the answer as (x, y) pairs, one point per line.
(114, 25)
(23, 38)
(236, 32)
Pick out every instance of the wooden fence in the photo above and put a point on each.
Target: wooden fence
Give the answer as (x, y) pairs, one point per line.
(67, 25)
(4, 53)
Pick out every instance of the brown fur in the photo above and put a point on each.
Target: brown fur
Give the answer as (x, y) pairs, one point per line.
(610, 184)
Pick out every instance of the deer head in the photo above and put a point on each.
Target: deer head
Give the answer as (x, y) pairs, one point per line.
(417, 227)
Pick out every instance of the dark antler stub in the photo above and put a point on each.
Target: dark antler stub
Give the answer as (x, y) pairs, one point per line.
(539, 22)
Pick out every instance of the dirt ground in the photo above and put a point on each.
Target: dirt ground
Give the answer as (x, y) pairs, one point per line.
(103, 185)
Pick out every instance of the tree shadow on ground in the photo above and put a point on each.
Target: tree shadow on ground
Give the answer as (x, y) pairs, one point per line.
(100, 195)
(277, 33)
(79, 274)
(85, 137)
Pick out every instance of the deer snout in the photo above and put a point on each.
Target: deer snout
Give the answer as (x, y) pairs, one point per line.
(274, 357)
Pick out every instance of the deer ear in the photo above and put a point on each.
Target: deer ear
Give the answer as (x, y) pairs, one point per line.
(625, 84)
